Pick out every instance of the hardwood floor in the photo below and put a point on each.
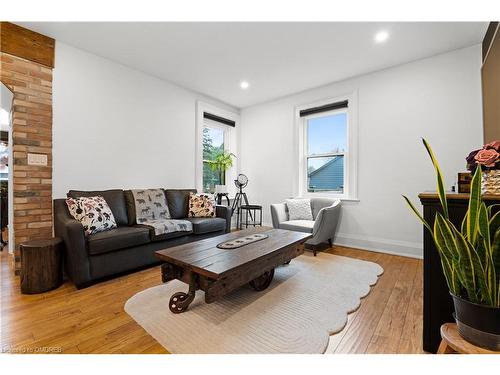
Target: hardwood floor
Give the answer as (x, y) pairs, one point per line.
(92, 320)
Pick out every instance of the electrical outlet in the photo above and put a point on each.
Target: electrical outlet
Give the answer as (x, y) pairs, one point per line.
(37, 159)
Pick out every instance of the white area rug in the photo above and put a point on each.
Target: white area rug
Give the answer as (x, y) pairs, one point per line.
(307, 301)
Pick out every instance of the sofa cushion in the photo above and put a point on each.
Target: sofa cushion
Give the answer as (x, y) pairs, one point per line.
(130, 203)
(178, 202)
(207, 224)
(305, 226)
(115, 239)
(165, 236)
(114, 198)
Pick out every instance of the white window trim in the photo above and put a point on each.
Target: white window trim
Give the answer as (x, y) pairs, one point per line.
(351, 159)
(230, 143)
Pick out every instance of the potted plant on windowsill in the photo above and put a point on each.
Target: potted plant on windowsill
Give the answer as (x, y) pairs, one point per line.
(470, 257)
(220, 164)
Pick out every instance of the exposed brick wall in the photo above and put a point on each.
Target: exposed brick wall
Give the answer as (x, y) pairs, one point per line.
(32, 133)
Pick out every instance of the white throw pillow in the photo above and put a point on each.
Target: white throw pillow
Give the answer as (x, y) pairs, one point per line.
(299, 209)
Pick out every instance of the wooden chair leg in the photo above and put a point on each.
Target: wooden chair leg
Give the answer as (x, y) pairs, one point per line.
(330, 242)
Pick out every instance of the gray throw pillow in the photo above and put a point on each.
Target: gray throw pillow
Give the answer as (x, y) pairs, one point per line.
(299, 209)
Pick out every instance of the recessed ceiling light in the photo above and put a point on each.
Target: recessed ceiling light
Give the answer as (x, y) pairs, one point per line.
(381, 36)
(244, 85)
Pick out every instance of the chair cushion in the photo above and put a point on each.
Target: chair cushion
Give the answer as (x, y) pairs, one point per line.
(114, 198)
(305, 226)
(116, 239)
(178, 202)
(207, 224)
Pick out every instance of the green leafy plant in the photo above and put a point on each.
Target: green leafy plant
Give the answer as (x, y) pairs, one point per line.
(221, 163)
(470, 255)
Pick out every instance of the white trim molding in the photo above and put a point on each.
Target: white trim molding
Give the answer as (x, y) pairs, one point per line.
(351, 161)
(380, 245)
(230, 143)
(376, 244)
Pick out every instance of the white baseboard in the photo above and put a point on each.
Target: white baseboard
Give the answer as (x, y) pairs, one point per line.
(381, 245)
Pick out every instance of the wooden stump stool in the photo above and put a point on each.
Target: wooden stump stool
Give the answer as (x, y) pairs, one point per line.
(453, 343)
(41, 265)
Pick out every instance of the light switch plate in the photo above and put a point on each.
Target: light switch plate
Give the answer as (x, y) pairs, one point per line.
(37, 159)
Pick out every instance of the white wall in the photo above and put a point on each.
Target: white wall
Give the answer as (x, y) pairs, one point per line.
(115, 127)
(438, 98)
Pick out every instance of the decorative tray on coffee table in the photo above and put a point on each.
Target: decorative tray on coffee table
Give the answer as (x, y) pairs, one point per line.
(242, 241)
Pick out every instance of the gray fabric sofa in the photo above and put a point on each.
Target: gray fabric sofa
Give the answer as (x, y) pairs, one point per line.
(89, 259)
(326, 215)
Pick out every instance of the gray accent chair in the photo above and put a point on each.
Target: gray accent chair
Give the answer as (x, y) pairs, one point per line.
(326, 214)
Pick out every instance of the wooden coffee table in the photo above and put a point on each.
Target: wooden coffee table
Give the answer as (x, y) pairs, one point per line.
(202, 265)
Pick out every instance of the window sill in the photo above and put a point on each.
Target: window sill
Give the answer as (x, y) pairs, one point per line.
(333, 196)
(350, 199)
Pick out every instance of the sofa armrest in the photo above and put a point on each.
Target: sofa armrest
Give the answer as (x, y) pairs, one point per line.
(224, 212)
(279, 214)
(71, 232)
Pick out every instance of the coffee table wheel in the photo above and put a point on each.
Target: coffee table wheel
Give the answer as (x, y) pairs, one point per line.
(263, 281)
(179, 302)
(287, 263)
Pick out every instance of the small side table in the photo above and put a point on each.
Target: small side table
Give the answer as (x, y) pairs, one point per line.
(41, 265)
(219, 196)
(453, 343)
(248, 208)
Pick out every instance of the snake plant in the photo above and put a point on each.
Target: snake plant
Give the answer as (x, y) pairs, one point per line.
(470, 255)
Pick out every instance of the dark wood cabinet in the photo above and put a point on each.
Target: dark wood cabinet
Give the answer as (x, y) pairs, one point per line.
(438, 304)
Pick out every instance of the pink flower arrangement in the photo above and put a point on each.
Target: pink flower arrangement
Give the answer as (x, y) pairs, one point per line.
(487, 157)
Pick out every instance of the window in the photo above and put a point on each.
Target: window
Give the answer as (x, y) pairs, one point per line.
(327, 138)
(326, 147)
(215, 134)
(213, 145)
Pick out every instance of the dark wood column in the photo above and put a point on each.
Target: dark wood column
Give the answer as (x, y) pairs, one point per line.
(490, 75)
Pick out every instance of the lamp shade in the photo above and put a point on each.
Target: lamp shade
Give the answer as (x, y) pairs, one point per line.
(220, 189)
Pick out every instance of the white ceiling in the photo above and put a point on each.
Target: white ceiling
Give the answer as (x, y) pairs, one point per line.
(277, 59)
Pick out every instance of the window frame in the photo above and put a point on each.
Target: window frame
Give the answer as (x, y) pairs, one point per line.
(231, 142)
(225, 135)
(308, 155)
(350, 155)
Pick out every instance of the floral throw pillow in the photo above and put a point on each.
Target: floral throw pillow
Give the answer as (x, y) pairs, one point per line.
(201, 205)
(93, 212)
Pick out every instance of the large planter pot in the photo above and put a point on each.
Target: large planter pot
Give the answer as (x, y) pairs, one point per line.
(490, 182)
(478, 324)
